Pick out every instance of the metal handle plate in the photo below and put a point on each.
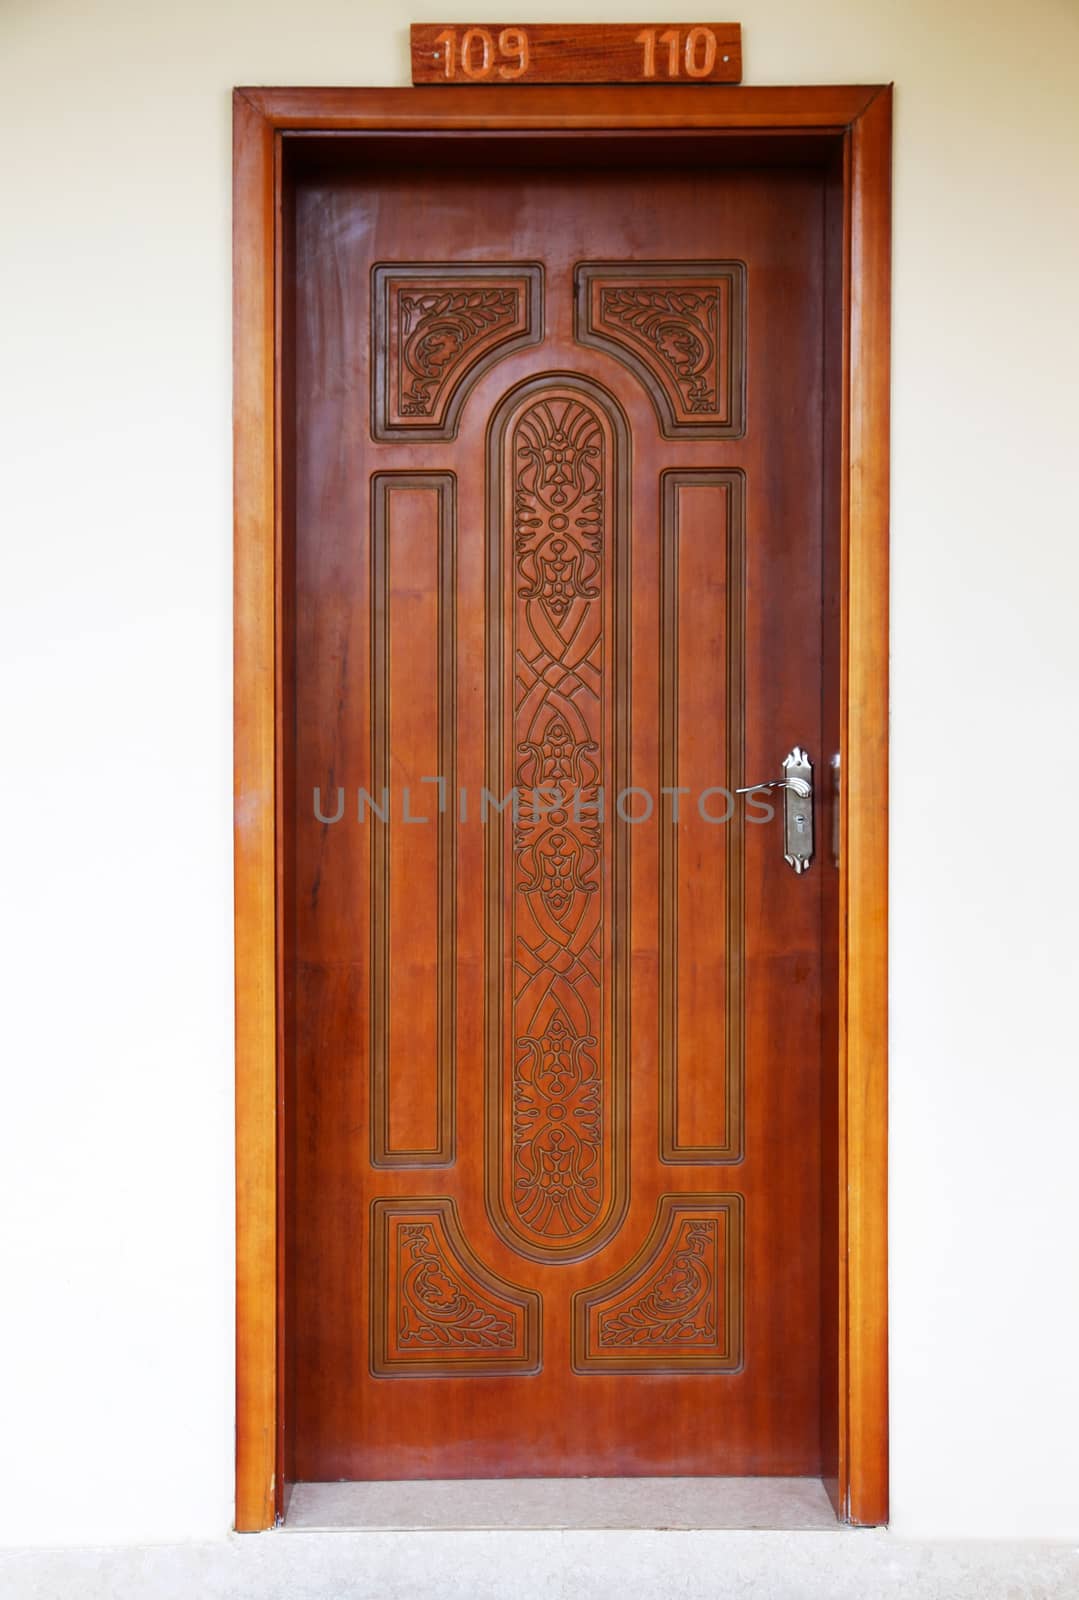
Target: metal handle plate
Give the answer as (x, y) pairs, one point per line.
(797, 786)
(798, 809)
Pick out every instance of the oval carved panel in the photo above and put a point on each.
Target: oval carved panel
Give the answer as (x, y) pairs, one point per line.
(557, 873)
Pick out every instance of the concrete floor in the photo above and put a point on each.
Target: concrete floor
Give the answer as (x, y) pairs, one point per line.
(548, 1565)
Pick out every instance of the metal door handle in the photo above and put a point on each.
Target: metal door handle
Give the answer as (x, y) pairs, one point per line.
(797, 784)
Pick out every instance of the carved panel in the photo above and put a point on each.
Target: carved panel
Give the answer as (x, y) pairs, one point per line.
(680, 326)
(702, 644)
(435, 329)
(413, 920)
(436, 1311)
(677, 1306)
(557, 874)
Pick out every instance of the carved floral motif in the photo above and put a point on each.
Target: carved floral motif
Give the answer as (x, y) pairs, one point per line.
(438, 332)
(435, 329)
(677, 1306)
(679, 325)
(559, 522)
(436, 1310)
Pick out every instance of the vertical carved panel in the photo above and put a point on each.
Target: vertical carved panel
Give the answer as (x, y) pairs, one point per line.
(702, 587)
(413, 914)
(680, 326)
(677, 1306)
(435, 329)
(436, 1310)
(557, 874)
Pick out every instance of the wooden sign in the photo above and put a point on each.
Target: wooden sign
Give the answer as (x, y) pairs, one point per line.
(625, 52)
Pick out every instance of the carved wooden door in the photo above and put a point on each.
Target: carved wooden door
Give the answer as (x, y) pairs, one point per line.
(553, 1122)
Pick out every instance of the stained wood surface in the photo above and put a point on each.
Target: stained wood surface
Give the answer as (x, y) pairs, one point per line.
(255, 875)
(864, 950)
(801, 115)
(677, 1299)
(460, 53)
(720, 108)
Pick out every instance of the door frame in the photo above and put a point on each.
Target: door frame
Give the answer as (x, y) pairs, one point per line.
(858, 122)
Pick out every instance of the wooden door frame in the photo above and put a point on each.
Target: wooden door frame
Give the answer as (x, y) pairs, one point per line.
(859, 121)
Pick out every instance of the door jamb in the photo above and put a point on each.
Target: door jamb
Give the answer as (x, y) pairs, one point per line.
(861, 119)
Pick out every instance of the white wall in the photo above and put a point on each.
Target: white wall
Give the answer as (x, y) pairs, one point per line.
(115, 1124)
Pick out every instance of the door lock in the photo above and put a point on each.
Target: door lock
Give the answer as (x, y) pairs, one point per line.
(797, 786)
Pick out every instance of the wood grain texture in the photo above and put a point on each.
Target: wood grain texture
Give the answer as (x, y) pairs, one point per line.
(255, 875)
(702, 868)
(833, 1213)
(864, 825)
(460, 53)
(413, 872)
(559, 459)
(736, 116)
(720, 107)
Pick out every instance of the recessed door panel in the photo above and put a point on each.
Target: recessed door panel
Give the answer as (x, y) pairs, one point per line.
(552, 1155)
(557, 864)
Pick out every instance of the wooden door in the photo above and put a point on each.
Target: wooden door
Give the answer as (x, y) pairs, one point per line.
(553, 1112)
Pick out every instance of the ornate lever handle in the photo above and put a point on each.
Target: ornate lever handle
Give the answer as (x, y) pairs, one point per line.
(797, 807)
(801, 788)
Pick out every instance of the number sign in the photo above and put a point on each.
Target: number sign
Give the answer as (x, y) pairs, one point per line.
(462, 53)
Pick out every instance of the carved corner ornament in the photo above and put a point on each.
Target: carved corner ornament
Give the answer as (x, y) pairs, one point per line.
(680, 327)
(436, 328)
(677, 1306)
(436, 1311)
